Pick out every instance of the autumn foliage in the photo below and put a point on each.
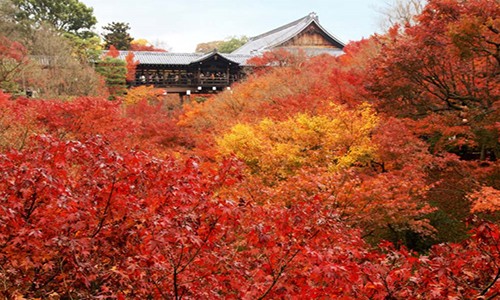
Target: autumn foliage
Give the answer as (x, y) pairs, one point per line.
(13, 57)
(372, 175)
(144, 45)
(445, 67)
(82, 220)
(131, 66)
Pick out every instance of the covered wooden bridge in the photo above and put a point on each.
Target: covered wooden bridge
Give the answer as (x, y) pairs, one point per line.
(188, 72)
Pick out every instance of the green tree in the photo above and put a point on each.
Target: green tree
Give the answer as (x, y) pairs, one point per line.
(87, 50)
(9, 28)
(117, 35)
(70, 16)
(86, 47)
(114, 71)
(232, 43)
(226, 46)
(59, 65)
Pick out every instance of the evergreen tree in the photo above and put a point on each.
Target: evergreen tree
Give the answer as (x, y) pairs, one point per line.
(114, 71)
(117, 35)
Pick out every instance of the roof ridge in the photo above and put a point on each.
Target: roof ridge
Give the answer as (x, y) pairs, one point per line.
(291, 24)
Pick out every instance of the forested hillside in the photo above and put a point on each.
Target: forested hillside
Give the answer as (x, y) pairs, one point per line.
(371, 175)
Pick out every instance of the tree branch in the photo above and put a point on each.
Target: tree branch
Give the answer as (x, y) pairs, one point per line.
(105, 213)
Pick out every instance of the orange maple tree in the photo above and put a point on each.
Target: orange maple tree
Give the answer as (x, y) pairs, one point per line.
(131, 66)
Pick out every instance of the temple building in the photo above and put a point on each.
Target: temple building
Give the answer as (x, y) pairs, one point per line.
(189, 73)
(305, 34)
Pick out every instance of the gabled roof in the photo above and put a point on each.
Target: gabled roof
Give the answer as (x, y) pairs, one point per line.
(276, 37)
(212, 54)
(167, 58)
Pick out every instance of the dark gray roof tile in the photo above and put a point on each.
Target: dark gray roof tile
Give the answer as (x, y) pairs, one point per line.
(167, 58)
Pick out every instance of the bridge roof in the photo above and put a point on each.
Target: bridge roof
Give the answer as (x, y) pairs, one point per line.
(167, 58)
(276, 37)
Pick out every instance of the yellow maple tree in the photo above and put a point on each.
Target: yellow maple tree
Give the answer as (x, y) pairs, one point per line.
(276, 149)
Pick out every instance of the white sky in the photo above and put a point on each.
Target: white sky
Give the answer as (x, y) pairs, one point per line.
(179, 25)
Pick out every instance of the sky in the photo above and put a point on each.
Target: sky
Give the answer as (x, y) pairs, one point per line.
(179, 25)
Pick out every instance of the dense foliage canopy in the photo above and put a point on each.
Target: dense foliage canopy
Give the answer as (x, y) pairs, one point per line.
(70, 16)
(372, 175)
(227, 45)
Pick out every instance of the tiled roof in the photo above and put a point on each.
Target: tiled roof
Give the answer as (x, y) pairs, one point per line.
(266, 41)
(238, 58)
(167, 58)
(316, 51)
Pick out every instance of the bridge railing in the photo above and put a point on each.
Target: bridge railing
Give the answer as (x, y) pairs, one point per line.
(185, 82)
